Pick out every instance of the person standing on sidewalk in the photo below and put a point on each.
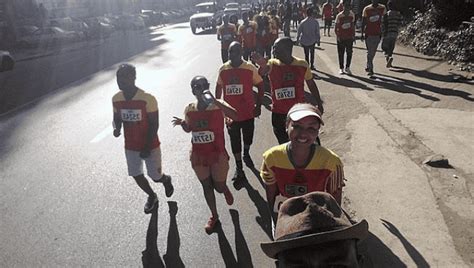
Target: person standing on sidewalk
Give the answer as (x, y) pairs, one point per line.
(209, 159)
(308, 36)
(137, 111)
(327, 17)
(248, 36)
(371, 31)
(235, 83)
(226, 33)
(287, 75)
(345, 33)
(391, 23)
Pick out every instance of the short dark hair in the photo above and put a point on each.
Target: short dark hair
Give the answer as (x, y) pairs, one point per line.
(309, 11)
(126, 68)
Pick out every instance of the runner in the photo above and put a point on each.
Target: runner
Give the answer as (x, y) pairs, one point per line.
(327, 17)
(226, 33)
(391, 23)
(235, 83)
(209, 159)
(345, 32)
(137, 111)
(248, 34)
(371, 31)
(301, 166)
(287, 75)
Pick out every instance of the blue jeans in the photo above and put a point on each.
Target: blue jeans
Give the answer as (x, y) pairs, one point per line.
(371, 42)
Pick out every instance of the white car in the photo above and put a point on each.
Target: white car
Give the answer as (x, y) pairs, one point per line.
(207, 16)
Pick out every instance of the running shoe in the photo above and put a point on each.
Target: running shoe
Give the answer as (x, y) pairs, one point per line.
(341, 71)
(239, 179)
(229, 198)
(151, 203)
(389, 62)
(370, 73)
(211, 224)
(169, 188)
(348, 71)
(248, 161)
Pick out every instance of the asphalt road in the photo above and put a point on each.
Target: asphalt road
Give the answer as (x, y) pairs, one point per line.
(66, 199)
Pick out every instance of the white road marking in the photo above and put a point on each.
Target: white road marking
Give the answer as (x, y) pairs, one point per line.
(102, 135)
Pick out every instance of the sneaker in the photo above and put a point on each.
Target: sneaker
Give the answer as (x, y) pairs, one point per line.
(239, 179)
(341, 71)
(211, 224)
(169, 188)
(389, 62)
(248, 161)
(229, 198)
(313, 68)
(151, 203)
(348, 71)
(367, 69)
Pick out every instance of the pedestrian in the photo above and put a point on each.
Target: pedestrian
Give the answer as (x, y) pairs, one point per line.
(248, 36)
(314, 231)
(137, 111)
(235, 83)
(371, 31)
(301, 166)
(327, 17)
(287, 19)
(287, 75)
(308, 36)
(226, 33)
(345, 33)
(295, 15)
(209, 159)
(391, 23)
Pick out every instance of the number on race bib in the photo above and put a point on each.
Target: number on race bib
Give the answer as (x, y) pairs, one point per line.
(374, 18)
(249, 30)
(285, 93)
(346, 25)
(227, 37)
(202, 137)
(234, 89)
(131, 115)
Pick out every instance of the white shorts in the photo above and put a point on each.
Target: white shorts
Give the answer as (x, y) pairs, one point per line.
(152, 162)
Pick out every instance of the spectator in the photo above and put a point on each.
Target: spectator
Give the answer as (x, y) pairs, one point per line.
(308, 35)
(391, 23)
(314, 231)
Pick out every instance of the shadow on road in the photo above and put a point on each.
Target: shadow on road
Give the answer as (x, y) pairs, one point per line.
(415, 255)
(151, 256)
(341, 81)
(244, 258)
(377, 254)
(430, 75)
(172, 257)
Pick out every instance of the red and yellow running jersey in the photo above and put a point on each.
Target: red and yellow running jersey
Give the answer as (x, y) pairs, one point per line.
(227, 34)
(345, 25)
(274, 28)
(248, 35)
(327, 11)
(373, 17)
(324, 172)
(207, 127)
(339, 7)
(287, 83)
(237, 87)
(134, 114)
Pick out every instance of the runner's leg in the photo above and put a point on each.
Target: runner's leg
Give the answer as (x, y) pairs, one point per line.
(279, 127)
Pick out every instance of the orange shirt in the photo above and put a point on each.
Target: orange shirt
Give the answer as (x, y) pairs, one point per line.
(373, 17)
(248, 35)
(134, 114)
(237, 87)
(287, 83)
(227, 34)
(345, 25)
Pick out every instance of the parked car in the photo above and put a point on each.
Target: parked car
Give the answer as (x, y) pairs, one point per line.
(232, 9)
(99, 27)
(130, 22)
(48, 36)
(207, 16)
(71, 24)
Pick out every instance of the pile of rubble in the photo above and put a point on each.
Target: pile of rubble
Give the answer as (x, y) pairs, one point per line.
(457, 46)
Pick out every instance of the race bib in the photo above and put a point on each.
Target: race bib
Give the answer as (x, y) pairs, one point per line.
(249, 30)
(279, 199)
(234, 89)
(346, 25)
(374, 18)
(202, 137)
(296, 189)
(131, 115)
(285, 93)
(227, 37)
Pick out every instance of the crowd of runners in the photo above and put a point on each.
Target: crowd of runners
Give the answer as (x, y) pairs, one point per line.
(255, 56)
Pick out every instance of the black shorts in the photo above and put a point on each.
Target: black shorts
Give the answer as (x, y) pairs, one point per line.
(328, 22)
(238, 130)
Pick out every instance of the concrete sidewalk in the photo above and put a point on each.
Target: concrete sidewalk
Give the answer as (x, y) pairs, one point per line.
(384, 127)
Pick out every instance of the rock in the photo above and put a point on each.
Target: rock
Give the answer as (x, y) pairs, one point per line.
(437, 160)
